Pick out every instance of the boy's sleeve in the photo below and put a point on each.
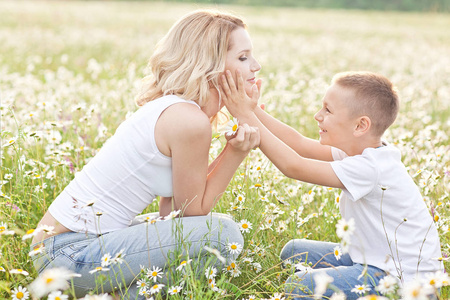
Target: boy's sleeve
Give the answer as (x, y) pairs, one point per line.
(358, 174)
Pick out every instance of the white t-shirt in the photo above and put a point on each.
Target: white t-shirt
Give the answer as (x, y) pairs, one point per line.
(123, 178)
(401, 248)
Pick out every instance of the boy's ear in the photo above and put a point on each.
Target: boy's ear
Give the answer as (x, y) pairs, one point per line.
(363, 126)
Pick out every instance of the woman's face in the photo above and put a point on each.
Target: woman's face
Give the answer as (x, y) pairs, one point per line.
(239, 56)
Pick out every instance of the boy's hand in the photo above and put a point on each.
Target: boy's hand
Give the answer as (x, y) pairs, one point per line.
(238, 103)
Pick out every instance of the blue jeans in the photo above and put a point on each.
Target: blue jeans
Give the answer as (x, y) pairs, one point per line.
(345, 272)
(145, 245)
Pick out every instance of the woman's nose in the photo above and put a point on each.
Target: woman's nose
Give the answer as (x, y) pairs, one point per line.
(255, 67)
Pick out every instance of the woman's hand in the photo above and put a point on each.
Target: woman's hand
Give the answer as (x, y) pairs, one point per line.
(238, 103)
(245, 139)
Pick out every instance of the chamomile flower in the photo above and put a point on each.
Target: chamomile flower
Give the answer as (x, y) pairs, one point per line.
(337, 251)
(277, 296)
(414, 290)
(183, 264)
(210, 272)
(20, 293)
(51, 280)
(174, 290)
(156, 288)
(234, 248)
(118, 258)
(256, 267)
(322, 280)
(244, 225)
(29, 234)
(240, 198)
(106, 260)
(155, 273)
(387, 285)
(345, 229)
(231, 127)
(360, 289)
(372, 297)
(2, 269)
(19, 271)
(36, 251)
(4, 229)
(142, 284)
(57, 295)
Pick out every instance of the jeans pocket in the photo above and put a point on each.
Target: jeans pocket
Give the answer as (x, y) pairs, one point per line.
(74, 250)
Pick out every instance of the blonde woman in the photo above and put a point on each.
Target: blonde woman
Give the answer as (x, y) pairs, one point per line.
(161, 150)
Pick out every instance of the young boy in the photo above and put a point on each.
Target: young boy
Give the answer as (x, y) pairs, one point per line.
(393, 232)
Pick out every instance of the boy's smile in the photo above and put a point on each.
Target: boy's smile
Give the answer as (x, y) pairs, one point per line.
(334, 120)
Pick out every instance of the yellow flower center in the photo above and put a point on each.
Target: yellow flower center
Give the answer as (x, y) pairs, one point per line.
(245, 226)
(155, 286)
(258, 185)
(57, 298)
(234, 127)
(154, 273)
(48, 280)
(19, 295)
(234, 247)
(30, 231)
(436, 218)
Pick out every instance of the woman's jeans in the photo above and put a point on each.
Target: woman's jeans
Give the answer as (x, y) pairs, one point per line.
(145, 245)
(320, 255)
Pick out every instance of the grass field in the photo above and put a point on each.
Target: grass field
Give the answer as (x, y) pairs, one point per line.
(69, 72)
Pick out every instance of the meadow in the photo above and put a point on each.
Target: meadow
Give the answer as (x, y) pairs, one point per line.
(69, 72)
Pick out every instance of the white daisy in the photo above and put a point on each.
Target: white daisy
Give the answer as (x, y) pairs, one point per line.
(337, 251)
(57, 295)
(173, 290)
(322, 280)
(234, 248)
(231, 127)
(156, 288)
(245, 225)
(360, 289)
(51, 280)
(20, 293)
(183, 264)
(155, 273)
(106, 260)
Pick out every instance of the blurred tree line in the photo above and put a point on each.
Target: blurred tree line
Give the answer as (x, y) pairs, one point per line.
(401, 5)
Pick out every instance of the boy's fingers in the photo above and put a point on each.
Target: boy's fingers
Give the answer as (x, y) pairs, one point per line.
(230, 80)
(258, 84)
(225, 86)
(240, 80)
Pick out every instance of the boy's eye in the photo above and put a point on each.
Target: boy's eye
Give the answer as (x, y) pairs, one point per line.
(243, 58)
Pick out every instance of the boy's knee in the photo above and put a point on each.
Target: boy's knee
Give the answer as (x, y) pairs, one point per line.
(290, 251)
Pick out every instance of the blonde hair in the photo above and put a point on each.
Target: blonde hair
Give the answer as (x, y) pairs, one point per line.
(188, 60)
(375, 97)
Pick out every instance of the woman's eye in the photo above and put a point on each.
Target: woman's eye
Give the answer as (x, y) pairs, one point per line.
(243, 58)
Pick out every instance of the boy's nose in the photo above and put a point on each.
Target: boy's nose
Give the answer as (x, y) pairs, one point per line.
(317, 116)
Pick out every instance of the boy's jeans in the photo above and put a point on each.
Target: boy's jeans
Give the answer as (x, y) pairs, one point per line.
(145, 245)
(346, 274)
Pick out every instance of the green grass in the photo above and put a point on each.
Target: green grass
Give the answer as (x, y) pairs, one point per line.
(72, 68)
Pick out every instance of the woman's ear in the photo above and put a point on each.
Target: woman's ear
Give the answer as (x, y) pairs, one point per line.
(363, 126)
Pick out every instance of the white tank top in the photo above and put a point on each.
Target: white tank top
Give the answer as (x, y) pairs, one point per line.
(122, 179)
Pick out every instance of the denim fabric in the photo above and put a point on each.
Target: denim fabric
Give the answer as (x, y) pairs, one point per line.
(144, 244)
(345, 273)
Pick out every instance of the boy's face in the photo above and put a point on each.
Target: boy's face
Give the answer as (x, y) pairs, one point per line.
(334, 120)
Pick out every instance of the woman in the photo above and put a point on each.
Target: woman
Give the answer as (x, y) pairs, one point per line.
(161, 150)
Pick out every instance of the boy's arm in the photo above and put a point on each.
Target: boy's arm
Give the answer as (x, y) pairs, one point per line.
(304, 146)
(283, 157)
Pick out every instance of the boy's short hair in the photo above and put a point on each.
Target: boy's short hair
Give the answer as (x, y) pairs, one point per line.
(375, 97)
